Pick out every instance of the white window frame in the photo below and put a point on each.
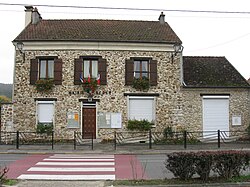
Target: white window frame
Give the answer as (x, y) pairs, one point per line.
(45, 102)
(143, 97)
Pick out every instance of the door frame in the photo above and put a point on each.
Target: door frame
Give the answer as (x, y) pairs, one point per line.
(88, 105)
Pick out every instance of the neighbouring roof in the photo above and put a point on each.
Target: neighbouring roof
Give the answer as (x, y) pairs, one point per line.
(211, 72)
(248, 80)
(99, 30)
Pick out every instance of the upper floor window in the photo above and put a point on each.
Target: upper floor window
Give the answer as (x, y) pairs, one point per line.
(141, 68)
(46, 69)
(94, 67)
(90, 68)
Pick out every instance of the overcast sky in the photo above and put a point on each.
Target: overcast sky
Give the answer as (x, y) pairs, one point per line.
(202, 34)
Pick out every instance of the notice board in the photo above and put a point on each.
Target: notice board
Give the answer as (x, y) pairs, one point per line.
(109, 120)
(72, 120)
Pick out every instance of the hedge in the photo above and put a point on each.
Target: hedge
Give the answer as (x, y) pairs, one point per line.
(225, 164)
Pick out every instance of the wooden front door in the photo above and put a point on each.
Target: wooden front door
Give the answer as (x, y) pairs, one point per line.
(89, 122)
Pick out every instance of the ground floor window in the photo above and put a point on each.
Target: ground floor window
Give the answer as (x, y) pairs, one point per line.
(140, 108)
(45, 112)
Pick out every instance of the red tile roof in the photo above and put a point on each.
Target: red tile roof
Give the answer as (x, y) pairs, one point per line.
(211, 72)
(99, 30)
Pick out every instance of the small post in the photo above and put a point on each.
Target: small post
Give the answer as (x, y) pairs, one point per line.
(52, 140)
(185, 139)
(92, 141)
(74, 140)
(115, 140)
(17, 139)
(150, 139)
(218, 138)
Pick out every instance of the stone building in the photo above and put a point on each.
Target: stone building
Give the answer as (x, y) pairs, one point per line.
(114, 53)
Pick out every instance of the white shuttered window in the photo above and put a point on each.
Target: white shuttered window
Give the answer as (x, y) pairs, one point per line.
(142, 108)
(45, 111)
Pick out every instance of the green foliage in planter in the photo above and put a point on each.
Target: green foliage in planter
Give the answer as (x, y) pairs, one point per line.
(89, 85)
(142, 125)
(44, 128)
(248, 130)
(44, 85)
(141, 83)
(168, 132)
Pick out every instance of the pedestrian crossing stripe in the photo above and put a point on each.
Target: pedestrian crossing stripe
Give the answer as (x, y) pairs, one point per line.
(79, 159)
(72, 167)
(57, 169)
(76, 163)
(66, 177)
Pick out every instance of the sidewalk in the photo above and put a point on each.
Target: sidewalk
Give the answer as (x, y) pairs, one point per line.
(109, 148)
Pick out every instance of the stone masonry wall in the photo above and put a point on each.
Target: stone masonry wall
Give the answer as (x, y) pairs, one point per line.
(6, 117)
(239, 102)
(112, 99)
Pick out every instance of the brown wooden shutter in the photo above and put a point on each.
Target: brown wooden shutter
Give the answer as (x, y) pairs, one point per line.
(33, 70)
(102, 70)
(129, 72)
(58, 71)
(78, 71)
(153, 72)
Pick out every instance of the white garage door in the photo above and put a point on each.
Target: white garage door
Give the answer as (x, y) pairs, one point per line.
(141, 108)
(215, 113)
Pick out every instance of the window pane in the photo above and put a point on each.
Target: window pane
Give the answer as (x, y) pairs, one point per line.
(86, 67)
(144, 65)
(145, 75)
(137, 75)
(94, 68)
(136, 65)
(42, 69)
(50, 68)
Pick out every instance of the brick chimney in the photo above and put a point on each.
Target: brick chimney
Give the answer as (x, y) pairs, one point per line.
(162, 18)
(36, 17)
(31, 15)
(28, 14)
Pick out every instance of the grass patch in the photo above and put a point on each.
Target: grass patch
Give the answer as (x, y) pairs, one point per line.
(10, 182)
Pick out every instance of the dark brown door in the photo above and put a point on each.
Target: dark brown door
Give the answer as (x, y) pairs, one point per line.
(89, 122)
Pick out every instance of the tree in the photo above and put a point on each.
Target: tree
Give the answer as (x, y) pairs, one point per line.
(4, 99)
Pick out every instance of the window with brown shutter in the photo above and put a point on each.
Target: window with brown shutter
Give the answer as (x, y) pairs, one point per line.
(93, 67)
(129, 69)
(139, 68)
(58, 71)
(153, 72)
(46, 68)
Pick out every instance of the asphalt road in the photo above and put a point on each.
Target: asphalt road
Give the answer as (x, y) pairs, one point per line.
(6, 159)
(154, 166)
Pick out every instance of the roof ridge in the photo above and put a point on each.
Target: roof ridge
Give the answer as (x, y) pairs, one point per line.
(99, 20)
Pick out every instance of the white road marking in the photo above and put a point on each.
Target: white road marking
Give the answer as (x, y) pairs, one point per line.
(67, 177)
(70, 169)
(79, 159)
(81, 156)
(76, 163)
